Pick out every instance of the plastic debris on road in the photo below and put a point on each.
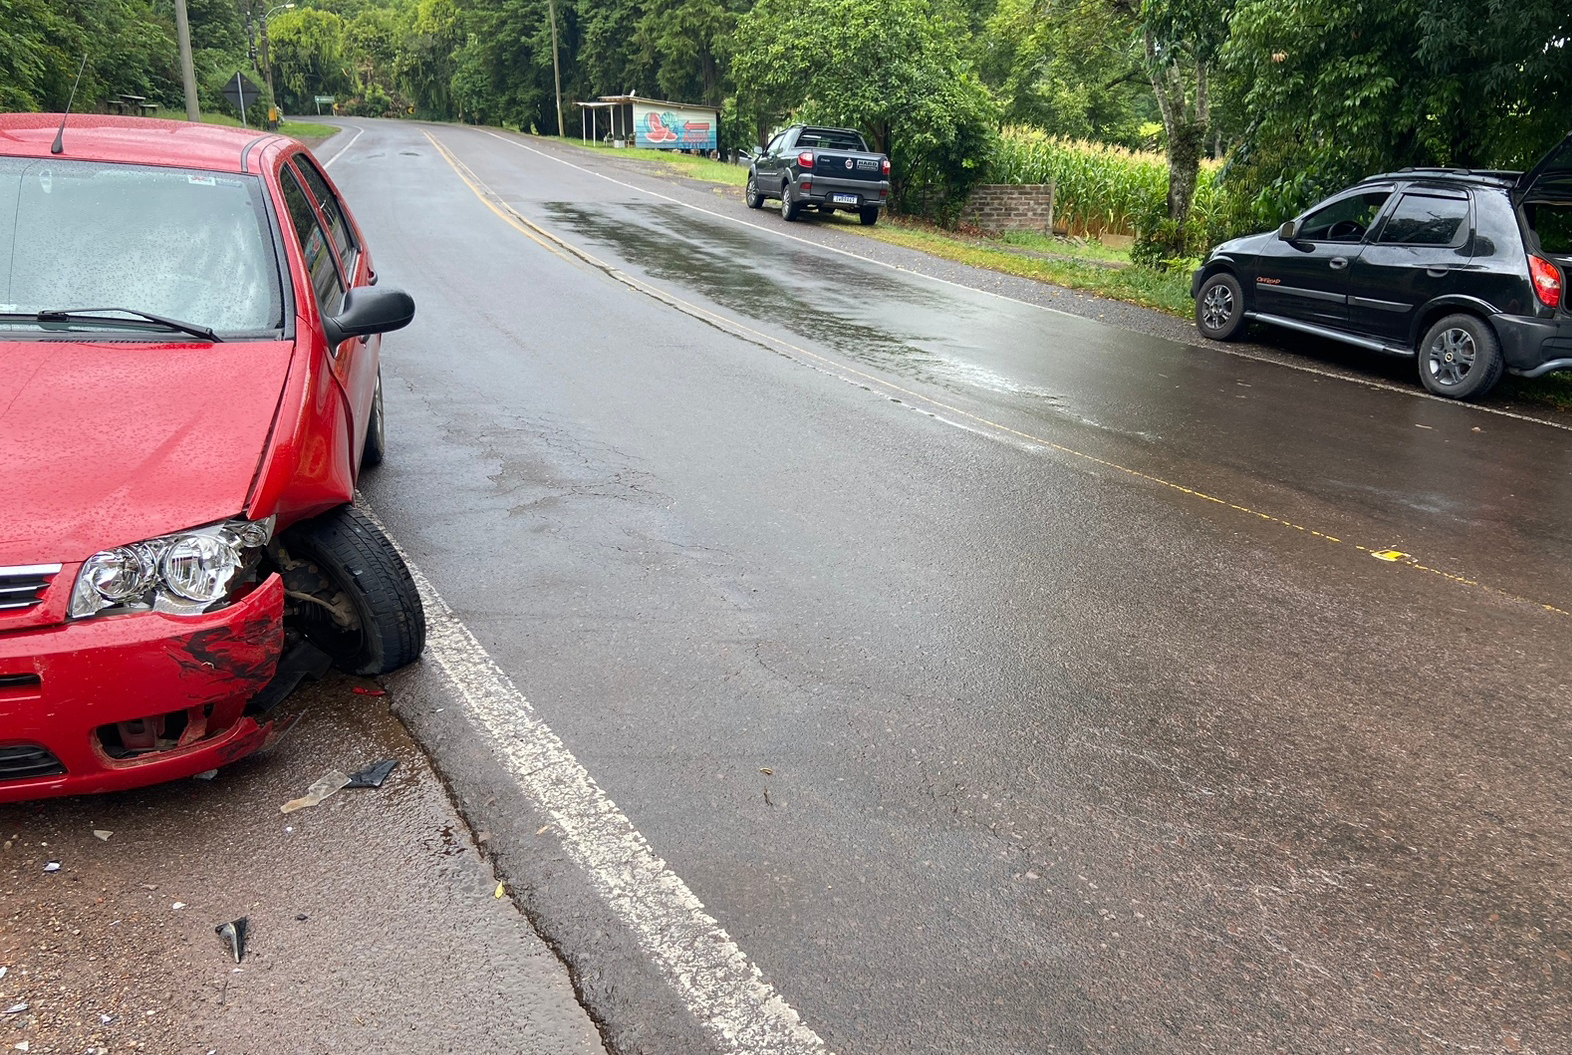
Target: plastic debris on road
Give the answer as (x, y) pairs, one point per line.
(52, 866)
(15, 1009)
(372, 776)
(206, 774)
(361, 690)
(500, 890)
(234, 935)
(102, 835)
(316, 793)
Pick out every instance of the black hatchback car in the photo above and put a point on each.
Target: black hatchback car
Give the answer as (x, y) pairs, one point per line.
(1462, 270)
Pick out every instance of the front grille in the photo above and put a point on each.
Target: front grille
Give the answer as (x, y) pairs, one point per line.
(25, 761)
(23, 587)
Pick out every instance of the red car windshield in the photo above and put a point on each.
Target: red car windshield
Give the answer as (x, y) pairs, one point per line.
(193, 246)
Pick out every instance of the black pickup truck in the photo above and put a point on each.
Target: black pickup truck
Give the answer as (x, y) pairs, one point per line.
(820, 168)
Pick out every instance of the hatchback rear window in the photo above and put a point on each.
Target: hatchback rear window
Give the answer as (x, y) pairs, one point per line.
(188, 245)
(1425, 219)
(1552, 222)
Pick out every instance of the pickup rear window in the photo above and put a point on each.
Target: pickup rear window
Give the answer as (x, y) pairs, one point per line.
(1552, 222)
(830, 141)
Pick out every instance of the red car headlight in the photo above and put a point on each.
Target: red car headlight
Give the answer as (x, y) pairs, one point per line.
(187, 573)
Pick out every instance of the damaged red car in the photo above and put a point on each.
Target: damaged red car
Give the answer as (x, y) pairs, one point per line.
(189, 390)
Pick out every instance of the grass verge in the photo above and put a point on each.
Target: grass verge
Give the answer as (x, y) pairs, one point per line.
(308, 130)
(1167, 291)
(692, 165)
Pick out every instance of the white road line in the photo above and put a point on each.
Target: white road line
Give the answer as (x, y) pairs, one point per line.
(340, 151)
(1235, 352)
(715, 980)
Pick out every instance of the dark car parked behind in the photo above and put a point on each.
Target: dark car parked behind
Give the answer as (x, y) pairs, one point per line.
(827, 169)
(1463, 270)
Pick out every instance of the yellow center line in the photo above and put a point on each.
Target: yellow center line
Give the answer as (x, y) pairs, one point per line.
(559, 246)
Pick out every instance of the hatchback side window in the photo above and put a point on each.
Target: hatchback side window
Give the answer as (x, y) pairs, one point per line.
(332, 212)
(314, 244)
(1344, 220)
(1425, 219)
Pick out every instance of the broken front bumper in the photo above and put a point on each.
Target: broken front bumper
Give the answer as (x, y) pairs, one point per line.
(130, 700)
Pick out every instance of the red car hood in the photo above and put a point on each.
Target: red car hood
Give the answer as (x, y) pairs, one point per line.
(107, 443)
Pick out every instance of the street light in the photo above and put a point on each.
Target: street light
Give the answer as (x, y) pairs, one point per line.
(267, 57)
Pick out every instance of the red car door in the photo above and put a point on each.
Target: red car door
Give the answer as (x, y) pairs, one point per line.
(355, 362)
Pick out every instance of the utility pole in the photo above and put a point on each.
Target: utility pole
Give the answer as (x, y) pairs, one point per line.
(187, 70)
(556, 70)
(267, 64)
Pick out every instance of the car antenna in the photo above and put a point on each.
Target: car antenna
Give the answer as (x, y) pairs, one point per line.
(58, 146)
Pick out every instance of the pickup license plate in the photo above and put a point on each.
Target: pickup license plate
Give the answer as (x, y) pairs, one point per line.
(845, 199)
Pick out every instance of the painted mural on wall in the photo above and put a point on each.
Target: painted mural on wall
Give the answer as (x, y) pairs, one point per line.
(669, 128)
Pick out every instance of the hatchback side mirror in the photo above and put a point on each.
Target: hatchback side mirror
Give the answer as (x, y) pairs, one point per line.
(1289, 231)
(367, 311)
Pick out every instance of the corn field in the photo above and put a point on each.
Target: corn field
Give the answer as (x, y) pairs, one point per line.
(1100, 189)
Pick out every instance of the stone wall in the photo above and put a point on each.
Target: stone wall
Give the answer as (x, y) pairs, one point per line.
(1010, 207)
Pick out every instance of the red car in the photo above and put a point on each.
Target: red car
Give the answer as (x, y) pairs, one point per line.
(189, 390)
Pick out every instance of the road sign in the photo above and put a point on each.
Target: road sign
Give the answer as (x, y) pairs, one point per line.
(326, 100)
(242, 93)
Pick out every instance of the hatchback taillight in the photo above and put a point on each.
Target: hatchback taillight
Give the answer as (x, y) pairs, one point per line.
(1546, 278)
(805, 159)
(885, 167)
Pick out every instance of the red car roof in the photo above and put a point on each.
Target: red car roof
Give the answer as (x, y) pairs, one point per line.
(133, 140)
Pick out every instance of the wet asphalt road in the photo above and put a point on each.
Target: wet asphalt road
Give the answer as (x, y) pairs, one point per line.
(1001, 680)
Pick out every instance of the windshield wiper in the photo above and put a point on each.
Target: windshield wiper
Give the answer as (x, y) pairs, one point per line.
(90, 315)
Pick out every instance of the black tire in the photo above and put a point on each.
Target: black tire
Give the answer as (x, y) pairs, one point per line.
(376, 432)
(790, 210)
(1460, 357)
(1220, 307)
(750, 194)
(868, 217)
(341, 560)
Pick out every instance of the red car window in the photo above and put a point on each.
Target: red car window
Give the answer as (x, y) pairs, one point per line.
(329, 288)
(332, 212)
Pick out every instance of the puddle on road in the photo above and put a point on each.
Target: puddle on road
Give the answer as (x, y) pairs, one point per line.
(801, 294)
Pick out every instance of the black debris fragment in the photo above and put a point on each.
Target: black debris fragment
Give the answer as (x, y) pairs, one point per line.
(234, 933)
(372, 776)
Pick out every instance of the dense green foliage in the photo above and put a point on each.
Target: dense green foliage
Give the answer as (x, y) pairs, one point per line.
(889, 67)
(1293, 97)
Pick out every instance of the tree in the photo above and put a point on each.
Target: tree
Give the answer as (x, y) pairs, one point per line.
(1066, 67)
(1180, 40)
(309, 57)
(1340, 89)
(888, 67)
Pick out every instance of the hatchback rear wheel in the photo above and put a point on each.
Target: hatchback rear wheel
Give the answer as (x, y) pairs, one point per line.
(1460, 358)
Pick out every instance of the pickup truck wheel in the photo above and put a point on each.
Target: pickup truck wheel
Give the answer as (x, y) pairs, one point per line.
(350, 593)
(1219, 307)
(1460, 358)
(790, 210)
(868, 217)
(751, 195)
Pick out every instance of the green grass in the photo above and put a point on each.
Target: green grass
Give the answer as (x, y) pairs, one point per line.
(1167, 291)
(1081, 248)
(297, 129)
(691, 165)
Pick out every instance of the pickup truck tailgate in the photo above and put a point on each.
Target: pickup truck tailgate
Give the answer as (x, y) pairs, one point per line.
(845, 165)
